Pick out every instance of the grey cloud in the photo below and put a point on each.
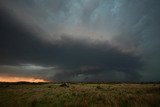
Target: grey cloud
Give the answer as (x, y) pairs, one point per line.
(70, 56)
(87, 40)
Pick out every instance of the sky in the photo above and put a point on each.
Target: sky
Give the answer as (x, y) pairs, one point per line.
(80, 40)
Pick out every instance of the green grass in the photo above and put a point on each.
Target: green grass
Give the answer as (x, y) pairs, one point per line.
(79, 95)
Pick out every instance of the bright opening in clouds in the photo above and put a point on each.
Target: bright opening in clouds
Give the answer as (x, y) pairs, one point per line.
(80, 40)
(20, 79)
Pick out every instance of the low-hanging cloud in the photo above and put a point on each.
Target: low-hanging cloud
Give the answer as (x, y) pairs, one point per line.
(70, 56)
(83, 40)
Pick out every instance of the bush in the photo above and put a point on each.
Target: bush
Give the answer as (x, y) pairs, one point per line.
(64, 85)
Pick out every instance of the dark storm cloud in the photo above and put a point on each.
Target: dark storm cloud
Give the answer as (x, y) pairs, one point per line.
(81, 40)
(72, 57)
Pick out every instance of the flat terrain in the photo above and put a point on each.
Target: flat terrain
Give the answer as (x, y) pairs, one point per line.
(79, 95)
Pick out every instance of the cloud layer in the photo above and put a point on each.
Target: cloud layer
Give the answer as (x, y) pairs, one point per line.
(80, 40)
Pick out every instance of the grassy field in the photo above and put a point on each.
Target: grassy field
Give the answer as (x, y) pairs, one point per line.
(79, 95)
